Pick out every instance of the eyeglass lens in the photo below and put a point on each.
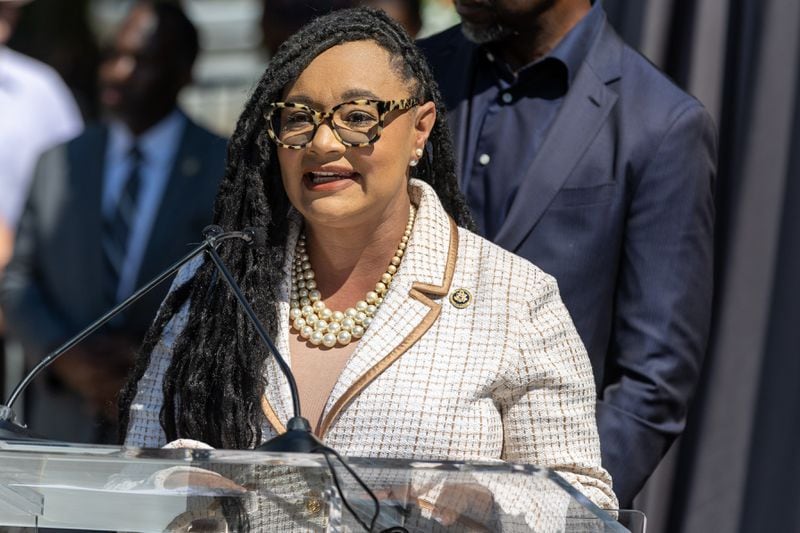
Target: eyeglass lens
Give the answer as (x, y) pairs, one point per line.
(354, 123)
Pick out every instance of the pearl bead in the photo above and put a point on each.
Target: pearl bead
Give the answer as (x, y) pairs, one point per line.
(329, 340)
(344, 337)
(313, 320)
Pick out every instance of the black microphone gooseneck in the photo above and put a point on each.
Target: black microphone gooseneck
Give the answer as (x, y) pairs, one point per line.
(10, 429)
(298, 436)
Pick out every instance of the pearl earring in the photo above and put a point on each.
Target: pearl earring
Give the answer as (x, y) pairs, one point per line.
(414, 162)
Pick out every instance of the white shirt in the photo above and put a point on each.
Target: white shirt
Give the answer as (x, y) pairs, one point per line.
(159, 147)
(37, 112)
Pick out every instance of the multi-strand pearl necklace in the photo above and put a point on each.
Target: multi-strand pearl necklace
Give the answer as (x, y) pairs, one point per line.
(312, 319)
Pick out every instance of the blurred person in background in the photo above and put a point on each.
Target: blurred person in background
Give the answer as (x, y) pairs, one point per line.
(37, 112)
(59, 34)
(576, 153)
(108, 211)
(407, 12)
(282, 18)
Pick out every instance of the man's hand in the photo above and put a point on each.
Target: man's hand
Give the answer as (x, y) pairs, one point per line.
(97, 369)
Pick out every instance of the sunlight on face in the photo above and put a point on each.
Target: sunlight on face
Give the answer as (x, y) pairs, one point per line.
(340, 186)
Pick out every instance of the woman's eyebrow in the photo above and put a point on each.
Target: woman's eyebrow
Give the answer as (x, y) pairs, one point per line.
(302, 99)
(354, 94)
(350, 94)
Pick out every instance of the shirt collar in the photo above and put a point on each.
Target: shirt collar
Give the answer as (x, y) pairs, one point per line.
(151, 143)
(570, 52)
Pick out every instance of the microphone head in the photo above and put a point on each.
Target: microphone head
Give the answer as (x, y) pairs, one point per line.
(212, 231)
(258, 236)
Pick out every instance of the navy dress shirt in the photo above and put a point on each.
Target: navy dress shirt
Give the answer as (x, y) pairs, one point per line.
(505, 103)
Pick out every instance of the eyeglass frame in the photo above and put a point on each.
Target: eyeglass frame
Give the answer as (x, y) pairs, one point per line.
(319, 117)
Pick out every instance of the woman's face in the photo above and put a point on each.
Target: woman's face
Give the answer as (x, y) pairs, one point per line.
(339, 186)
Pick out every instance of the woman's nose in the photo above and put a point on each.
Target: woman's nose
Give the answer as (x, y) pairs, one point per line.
(325, 140)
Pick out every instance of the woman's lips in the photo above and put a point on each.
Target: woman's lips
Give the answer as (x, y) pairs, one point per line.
(328, 181)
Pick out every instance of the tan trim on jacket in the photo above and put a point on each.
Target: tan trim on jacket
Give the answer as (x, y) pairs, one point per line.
(419, 291)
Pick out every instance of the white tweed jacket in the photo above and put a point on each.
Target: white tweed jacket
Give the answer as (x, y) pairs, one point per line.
(472, 356)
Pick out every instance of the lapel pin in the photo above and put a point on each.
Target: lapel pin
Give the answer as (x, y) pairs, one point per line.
(460, 298)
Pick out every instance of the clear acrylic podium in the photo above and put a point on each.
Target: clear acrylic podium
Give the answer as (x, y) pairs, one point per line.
(121, 489)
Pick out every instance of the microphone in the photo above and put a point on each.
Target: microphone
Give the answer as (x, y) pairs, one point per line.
(298, 437)
(10, 429)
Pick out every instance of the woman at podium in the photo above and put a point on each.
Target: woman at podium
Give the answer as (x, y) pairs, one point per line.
(409, 336)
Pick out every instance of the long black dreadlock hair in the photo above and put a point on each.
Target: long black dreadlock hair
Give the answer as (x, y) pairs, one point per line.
(217, 360)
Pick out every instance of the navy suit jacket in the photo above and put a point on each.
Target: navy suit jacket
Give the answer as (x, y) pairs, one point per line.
(618, 206)
(52, 286)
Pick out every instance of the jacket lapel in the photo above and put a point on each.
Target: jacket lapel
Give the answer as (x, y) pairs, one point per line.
(185, 170)
(87, 164)
(408, 311)
(582, 114)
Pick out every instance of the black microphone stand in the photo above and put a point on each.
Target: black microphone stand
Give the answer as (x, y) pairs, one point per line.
(10, 429)
(298, 436)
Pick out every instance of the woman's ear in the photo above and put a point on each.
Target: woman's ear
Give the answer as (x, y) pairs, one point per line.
(425, 118)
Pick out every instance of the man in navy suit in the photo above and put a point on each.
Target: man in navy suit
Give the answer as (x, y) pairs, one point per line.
(577, 154)
(107, 212)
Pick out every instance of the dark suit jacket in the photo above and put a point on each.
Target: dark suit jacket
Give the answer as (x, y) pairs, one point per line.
(52, 287)
(618, 206)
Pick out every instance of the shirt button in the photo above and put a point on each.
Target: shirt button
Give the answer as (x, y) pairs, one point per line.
(484, 159)
(507, 98)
